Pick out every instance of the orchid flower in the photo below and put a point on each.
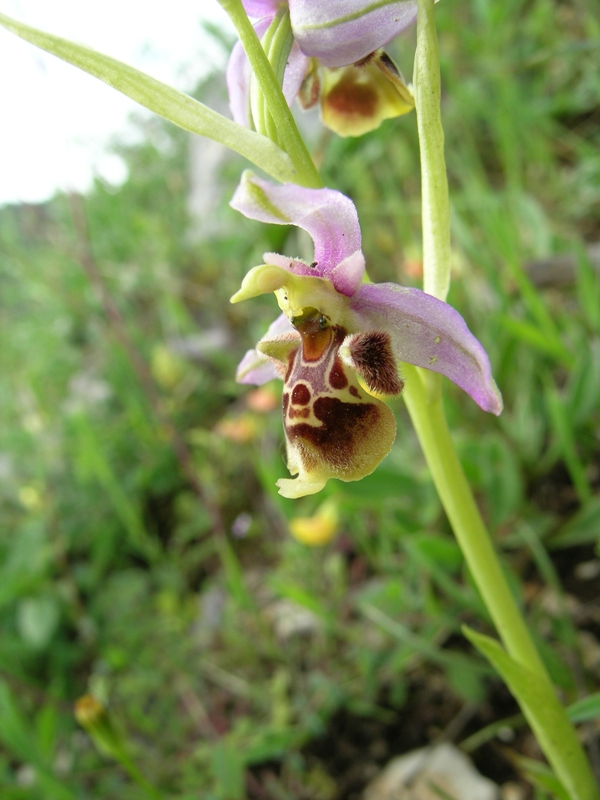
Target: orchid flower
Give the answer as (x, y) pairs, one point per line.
(338, 342)
(336, 59)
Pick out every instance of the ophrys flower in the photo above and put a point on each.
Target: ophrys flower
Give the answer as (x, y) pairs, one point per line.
(338, 341)
(335, 60)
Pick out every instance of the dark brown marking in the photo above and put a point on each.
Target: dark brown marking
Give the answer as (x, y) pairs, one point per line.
(286, 402)
(375, 362)
(337, 376)
(344, 427)
(300, 395)
(386, 63)
(354, 391)
(366, 60)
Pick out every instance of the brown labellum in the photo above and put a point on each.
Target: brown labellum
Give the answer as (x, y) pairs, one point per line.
(333, 428)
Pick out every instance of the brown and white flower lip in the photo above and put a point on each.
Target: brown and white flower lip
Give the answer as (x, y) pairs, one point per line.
(339, 340)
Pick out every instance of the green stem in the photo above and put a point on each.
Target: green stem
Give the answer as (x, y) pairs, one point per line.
(434, 183)
(429, 420)
(288, 134)
(149, 789)
(423, 398)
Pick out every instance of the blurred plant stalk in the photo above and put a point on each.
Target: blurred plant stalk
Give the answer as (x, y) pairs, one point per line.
(524, 671)
(95, 719)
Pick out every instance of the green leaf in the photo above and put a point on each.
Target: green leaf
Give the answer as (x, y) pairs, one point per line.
(18, 736)
(546, 716)
(562, 424)
(173, 105)
(582, 528)
(586, 709)
(228, 769)
(541, 776)
(531, 334)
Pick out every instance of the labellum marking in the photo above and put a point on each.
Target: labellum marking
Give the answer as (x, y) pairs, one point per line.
(333, 428)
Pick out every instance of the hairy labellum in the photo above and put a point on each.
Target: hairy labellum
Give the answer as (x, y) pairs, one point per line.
(333, 428)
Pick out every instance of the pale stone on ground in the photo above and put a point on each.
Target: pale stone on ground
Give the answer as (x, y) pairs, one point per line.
(416, 775)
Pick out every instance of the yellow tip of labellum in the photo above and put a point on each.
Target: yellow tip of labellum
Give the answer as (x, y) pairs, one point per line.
(319, 529)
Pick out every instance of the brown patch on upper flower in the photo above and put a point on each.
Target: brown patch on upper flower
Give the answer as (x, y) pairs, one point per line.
(351, 97)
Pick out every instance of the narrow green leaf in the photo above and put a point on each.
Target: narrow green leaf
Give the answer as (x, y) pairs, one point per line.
(561, 422)
(586, 709)
(588, 285)
(228, 769)
(18, 736)
(541, 776)
(533, 336)
(173, 105)
(546, 716)
(420, 644)
(582, 528)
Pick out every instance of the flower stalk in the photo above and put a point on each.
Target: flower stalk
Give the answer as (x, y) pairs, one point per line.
(288, 135)
(423, 399)
(435, 203)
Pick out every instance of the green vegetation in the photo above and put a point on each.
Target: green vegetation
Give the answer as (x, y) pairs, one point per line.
(145, 557)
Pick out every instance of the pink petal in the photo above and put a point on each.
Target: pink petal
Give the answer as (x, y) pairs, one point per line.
(428, 333)
(327, 215)
(238, 77)
(260, 8)
(295, 70)
(341, 32)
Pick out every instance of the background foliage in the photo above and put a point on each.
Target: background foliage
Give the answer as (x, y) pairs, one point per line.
(145, 556)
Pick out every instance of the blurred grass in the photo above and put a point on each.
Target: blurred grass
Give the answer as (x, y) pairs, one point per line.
(144, 554)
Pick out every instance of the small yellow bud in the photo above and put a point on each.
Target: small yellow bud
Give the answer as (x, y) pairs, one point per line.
(89, 711)
(93, 717)
(319, 529)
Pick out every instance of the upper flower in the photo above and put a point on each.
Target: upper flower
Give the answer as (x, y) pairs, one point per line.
(336, 59)
(338, 342)
(340, 32)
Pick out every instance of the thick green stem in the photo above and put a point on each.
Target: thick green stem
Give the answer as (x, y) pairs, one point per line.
(288, 135)
(423, 398)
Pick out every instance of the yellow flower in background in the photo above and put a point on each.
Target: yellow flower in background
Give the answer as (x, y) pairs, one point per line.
(30, 498)
(167, 368)
(319, 529)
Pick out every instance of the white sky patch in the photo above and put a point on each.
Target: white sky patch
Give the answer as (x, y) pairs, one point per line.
(55, 121)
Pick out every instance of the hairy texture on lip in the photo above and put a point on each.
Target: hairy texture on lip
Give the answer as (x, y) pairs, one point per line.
(372, 356)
